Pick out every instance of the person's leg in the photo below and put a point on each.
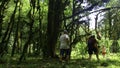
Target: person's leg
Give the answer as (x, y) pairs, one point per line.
(97, 56)
(67, 54)
(103, 54)
(96, 53)
(61, 54)
(90, 56)
(90, 52)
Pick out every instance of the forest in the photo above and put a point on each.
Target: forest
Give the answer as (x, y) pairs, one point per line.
(30, 32)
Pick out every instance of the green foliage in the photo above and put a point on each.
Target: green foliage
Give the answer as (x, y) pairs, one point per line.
(111, 20)
(113, 3)
(79, 50)
(68, 10)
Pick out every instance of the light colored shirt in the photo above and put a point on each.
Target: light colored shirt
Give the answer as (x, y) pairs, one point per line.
(64, 41)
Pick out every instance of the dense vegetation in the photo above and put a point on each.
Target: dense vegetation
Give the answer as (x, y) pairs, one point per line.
(30, 30)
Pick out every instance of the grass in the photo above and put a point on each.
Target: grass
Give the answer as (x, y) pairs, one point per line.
(111, 61)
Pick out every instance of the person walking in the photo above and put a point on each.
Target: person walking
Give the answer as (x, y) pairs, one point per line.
(92, 47)
(64, 46)
(103, 51)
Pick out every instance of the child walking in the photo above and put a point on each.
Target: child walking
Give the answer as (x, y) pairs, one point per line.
(103, 51)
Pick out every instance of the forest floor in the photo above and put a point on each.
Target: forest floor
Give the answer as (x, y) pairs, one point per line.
(111, 61)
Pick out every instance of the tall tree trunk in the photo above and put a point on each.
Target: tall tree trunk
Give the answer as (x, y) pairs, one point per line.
(110, 24)
(16, 44)
(96, 23)
(54, 16)
(40, 40)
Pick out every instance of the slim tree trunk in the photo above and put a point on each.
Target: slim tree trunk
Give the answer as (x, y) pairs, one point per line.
(3, 4)
(41, 40)
(16, 44)
(7, 34)
(29, 38)
(110, 24)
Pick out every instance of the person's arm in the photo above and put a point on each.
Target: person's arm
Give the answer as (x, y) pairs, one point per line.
(67, 39)
(95, 43)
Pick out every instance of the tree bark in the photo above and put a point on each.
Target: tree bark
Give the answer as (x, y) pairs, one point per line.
(16, 44)
(54, 16)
